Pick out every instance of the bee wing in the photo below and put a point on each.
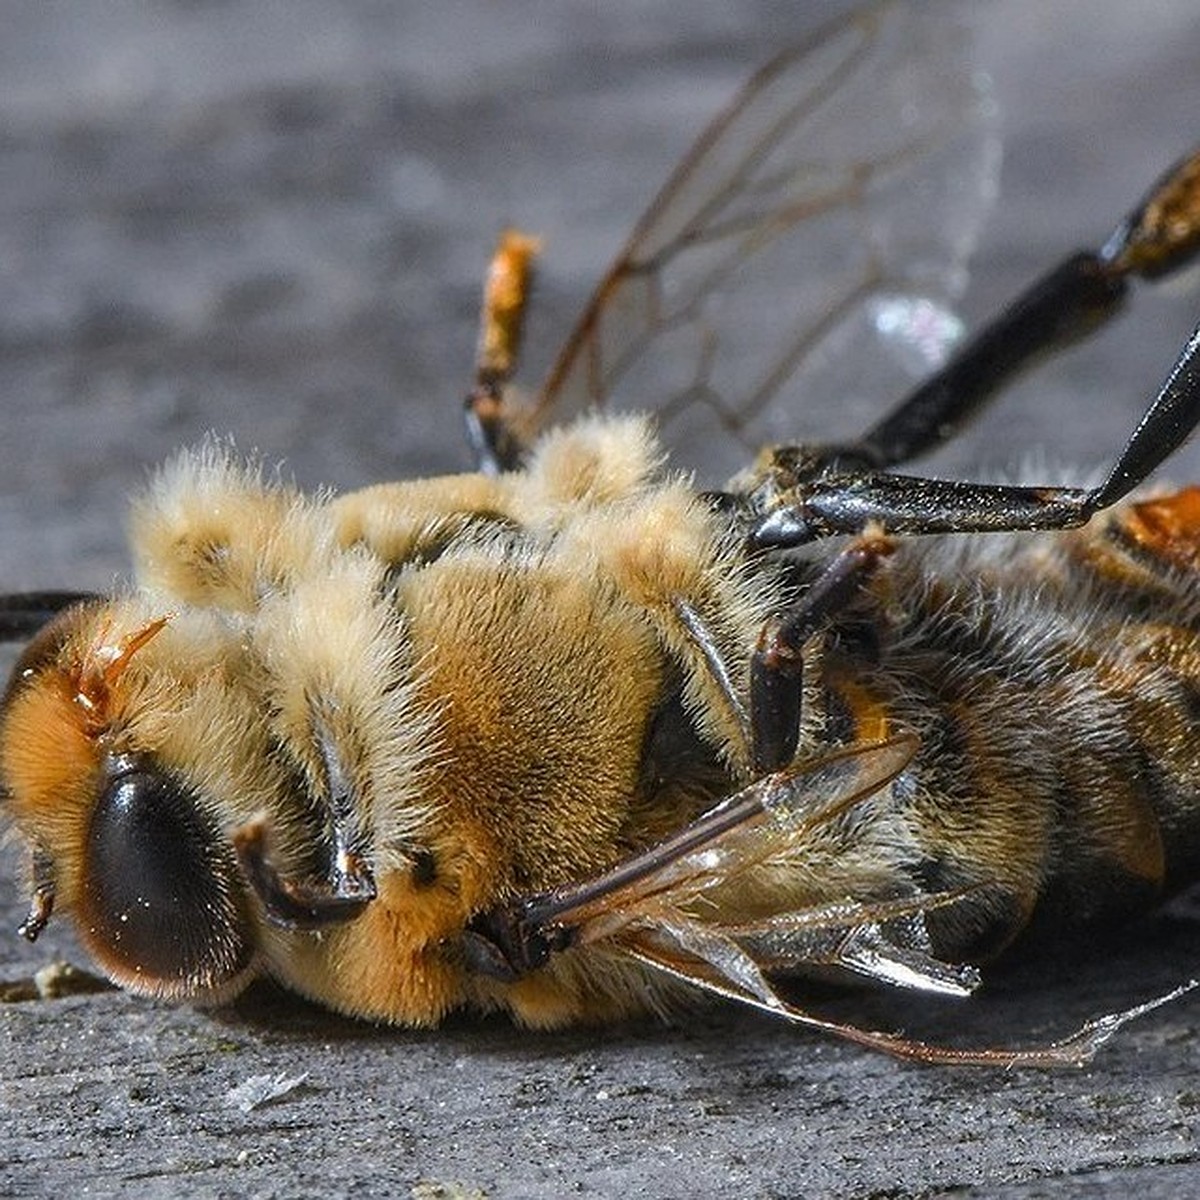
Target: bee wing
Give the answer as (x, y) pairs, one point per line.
(646, 908)
(832, 204)
(706, 959)
(884, 940)
(762, 821)
(654, 895)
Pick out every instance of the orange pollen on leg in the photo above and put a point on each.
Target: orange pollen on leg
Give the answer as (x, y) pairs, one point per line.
(505, 295)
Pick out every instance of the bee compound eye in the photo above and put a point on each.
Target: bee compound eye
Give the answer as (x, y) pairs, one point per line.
(161, 901)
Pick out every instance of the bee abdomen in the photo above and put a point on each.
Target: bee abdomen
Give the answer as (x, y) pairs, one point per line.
(1056, 693)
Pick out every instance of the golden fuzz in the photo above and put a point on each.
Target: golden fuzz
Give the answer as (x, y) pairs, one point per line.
(475, 662)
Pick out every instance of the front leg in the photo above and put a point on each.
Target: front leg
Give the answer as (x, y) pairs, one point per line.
(777, 665)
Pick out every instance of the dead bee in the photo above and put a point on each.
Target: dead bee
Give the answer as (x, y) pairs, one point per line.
(569, 738)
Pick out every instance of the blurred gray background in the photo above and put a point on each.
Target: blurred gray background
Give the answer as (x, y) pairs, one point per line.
(270, 220)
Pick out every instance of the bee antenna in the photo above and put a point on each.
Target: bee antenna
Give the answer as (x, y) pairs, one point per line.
(41, 903)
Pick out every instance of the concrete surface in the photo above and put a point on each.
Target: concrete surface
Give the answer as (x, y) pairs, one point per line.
(270, 220)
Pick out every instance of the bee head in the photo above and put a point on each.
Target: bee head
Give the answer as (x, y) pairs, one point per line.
(121, 838)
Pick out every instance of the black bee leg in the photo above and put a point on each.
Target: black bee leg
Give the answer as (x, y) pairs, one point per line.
(776, 667)
(506, 291)
(344, 884)
(905, 504)
(292, 904)
(1166, 425)
(1060, 308)
(1160, 236)
(510, 940)
(41, 903)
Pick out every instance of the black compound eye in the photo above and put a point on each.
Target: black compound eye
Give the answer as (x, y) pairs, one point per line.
(162, 903)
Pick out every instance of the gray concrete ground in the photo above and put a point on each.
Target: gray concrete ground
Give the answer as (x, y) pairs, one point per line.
(270, 221)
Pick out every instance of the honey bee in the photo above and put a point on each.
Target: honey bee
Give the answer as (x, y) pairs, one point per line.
(569, 737)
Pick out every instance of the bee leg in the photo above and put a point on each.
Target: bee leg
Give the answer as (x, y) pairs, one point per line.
(510, 940)
(1060, 308)
(344, 884)
(520, 934)
(294, 905)
(905, 504)
(505, 297)
(1160, 236)
(41, 903)
(776, 667)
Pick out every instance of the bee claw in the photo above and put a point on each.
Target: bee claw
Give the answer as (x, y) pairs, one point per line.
(291, 904)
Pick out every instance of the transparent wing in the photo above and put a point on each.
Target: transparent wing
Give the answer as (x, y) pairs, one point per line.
(663, 909)
(705, 959)
(814, 238)
(675, 888)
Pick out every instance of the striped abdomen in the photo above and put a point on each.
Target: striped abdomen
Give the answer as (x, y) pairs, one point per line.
(1055, 683)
